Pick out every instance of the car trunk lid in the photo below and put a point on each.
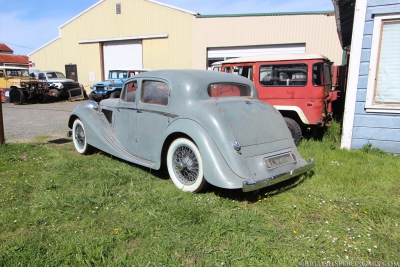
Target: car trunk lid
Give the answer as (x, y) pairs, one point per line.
(251, 130)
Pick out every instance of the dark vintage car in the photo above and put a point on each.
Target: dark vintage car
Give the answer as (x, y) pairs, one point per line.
(204, 126)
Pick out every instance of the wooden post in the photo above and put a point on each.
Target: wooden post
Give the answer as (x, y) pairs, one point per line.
(1, 124)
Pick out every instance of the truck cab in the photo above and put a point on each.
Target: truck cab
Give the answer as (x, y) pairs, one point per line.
(111, 88)
(298, 85)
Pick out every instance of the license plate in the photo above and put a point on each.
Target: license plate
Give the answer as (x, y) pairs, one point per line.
(279, 160)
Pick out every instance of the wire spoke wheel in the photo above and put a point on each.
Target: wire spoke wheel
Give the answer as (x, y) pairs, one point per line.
(79, 138)
(185, 165)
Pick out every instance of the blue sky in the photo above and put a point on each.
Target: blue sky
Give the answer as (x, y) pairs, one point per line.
(26, 25)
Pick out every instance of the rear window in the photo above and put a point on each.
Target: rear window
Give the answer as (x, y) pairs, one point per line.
(228, 90)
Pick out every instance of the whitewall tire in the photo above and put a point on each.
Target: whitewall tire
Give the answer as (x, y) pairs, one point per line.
(79, 137)
(185, 166)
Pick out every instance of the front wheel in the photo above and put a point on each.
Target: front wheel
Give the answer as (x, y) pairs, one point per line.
(115, 94)
(79, 138)
(54, 94)
(294, 129)
(17, 97)
(185, 166)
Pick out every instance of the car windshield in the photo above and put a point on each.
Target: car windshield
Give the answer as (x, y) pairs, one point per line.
(228, 90)
(118, 74)
(17, 72)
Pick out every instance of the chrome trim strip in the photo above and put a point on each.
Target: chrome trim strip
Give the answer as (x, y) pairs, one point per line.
(255, 185)
(170, 115)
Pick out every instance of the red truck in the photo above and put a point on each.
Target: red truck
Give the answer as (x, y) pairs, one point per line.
(298, 85)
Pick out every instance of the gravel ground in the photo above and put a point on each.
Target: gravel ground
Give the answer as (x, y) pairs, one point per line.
(22, 123)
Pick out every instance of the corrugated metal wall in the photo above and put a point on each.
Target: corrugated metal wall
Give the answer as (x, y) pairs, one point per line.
(137, 18)
(317, 31)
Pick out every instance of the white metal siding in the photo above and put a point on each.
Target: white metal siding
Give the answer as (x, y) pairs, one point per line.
(123, 55)
(246, 51)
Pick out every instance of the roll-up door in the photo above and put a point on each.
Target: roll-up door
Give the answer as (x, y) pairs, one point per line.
(223, 53)
(122, 55)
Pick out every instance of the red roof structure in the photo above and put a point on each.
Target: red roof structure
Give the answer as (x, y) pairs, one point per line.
(10, 58)
(5, 48)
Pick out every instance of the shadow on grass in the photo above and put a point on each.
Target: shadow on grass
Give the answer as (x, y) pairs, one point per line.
(233, 194)
(254, 196)
(60, 141)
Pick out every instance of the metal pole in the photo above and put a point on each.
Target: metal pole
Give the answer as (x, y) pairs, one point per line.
(1, 124)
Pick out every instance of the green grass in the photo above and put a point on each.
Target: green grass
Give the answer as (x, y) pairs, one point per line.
(58, 208)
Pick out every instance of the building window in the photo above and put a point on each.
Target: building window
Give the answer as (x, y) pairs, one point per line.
(383, 90)
(118, 9)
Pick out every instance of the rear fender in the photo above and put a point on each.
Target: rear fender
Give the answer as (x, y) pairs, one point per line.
(216, 170)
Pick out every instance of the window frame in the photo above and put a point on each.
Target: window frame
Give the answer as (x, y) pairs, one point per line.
(159, 101)
(370, 105)
(274, 65)
(124, 93)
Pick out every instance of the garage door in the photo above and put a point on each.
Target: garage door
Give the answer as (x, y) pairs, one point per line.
(122, 55)
(223, 53)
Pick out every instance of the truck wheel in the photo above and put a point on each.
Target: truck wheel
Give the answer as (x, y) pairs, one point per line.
(45, 98)
(115, 94)
(54, 94)
(17, 97)
(294, 129)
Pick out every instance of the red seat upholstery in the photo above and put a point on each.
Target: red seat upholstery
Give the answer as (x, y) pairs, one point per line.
(223, 90)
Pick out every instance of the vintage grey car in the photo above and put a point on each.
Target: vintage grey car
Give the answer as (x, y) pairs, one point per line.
(204, 126)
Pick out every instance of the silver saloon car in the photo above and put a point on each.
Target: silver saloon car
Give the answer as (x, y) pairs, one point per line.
(206, 127)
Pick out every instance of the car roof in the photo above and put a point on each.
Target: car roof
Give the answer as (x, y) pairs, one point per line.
(130, 70)
(275, 57)
(194, 83)
(50, 71)
(192, 77)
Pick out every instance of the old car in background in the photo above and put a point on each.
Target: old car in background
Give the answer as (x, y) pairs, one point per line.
(19, 88)
(111, 88)
(298, 85)
(59, 86)
(204, 126)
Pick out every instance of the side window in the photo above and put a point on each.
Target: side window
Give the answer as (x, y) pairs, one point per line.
(245, 71)
(1, 73)
(283, 75)
(327, 74)
(318, 74)
(227, 69)
(129, 93)
(155, 92)
(42, 76)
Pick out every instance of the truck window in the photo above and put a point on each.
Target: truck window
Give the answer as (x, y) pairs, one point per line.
(327, 74)
(245, 71)
(318, 74)
(283, 75)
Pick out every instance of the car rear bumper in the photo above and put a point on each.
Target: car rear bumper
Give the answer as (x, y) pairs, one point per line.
(255, 185)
